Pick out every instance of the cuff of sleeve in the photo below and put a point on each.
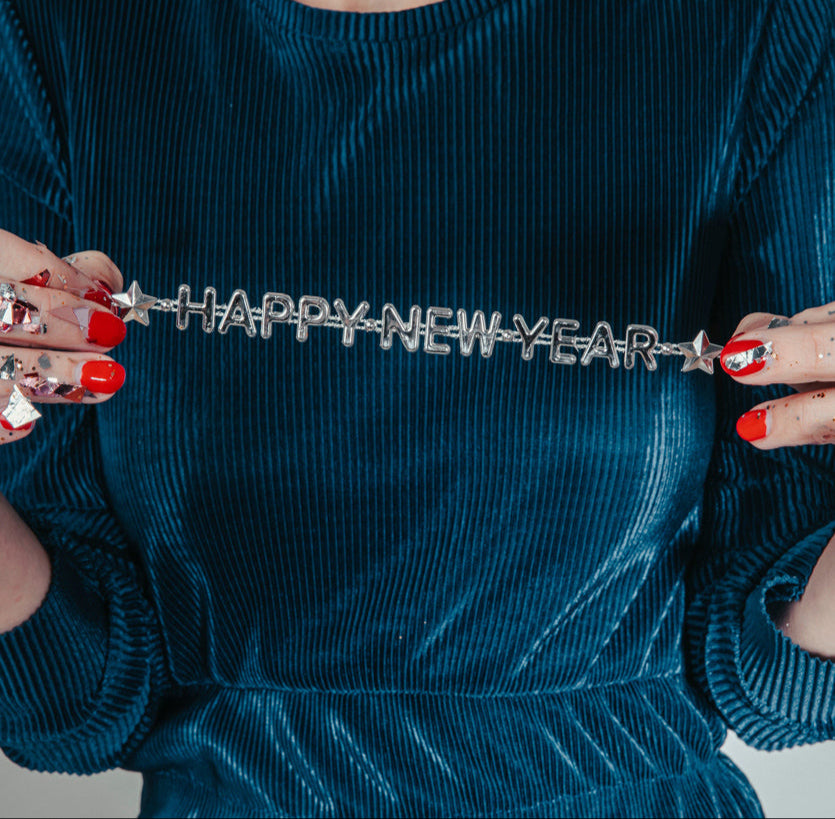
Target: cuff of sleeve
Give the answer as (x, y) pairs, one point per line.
(51, 665)
(779, 677)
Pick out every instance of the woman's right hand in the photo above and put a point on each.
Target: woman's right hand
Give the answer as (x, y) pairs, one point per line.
(56, 321)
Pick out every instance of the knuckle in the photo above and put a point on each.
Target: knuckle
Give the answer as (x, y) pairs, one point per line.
(819, 350)
(805, 415)
(817, 417)
(822, 433)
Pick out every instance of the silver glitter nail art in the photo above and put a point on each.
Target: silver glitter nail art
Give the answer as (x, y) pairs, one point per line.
(739, 361)
(19, 411)
(40, 387)
(14, 312)
(7, 371)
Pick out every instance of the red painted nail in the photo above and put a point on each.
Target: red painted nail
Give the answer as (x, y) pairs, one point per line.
(6, 425)
(101, 297)
(39, 279)
(733, 347)
(106, 329)
(751, 425)
(104, 285)
(102, 376)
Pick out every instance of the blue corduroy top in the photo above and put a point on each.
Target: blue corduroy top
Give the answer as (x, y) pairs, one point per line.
(312, 578)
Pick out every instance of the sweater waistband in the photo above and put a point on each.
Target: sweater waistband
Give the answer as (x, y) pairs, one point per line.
(715, 789)
(323, 753)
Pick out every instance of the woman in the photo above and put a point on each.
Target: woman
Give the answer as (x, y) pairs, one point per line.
(288, 571)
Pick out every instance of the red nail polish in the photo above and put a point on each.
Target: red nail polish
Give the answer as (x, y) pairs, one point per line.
(39, 279)
(733, 348)
(6, 425)
(99, 297)
(106, 329)
(751, 425)
(102, 376)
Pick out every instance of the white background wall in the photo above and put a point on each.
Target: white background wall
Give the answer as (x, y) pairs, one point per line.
(797, 782)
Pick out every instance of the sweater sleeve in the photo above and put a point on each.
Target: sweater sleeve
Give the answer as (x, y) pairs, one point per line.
(79, 680)
(768, 515)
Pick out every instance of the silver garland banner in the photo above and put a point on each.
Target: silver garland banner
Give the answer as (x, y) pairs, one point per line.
(422, 329)
(419, 330)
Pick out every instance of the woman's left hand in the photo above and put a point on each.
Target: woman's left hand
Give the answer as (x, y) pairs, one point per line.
(797, 350)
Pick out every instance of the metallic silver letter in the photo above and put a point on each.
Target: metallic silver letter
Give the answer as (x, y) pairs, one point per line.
(305, 317)
(350, 320)
(601, 345)
(186, 307)
(429, 343)
(468, 334)
(268, 317)
(558, 339)
(238, 303)
(529, 336)
(643, 348)
(393, 323)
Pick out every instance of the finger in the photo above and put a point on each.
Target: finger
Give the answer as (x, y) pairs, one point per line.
(789, 354)
(100, 269)
(813, 386)
(756, 321)
(35, 264)
(805, 418)
(34, 316)
(55, 377)
(816, 315)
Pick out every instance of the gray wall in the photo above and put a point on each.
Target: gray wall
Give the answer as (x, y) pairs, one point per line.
(797, 782)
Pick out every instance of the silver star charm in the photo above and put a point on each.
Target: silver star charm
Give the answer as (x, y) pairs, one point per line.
(699, 353)
(135, 302)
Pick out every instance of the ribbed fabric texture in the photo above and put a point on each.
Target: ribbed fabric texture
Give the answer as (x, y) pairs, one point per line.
(302, 578)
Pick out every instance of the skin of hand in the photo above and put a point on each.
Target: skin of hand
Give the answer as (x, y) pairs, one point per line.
(799, 351)
(71, 296)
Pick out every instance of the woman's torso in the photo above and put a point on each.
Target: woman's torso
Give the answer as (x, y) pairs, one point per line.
(405, 581)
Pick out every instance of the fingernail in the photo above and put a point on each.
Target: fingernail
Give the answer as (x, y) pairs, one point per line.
(106, 329)
(102, 376)
(745, 357)
(104, 286)
(6, 425)
(99, 296)
(39, 279)
(99, 326)
(753, 424)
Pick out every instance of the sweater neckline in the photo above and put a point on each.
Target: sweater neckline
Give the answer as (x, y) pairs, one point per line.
(379, 26)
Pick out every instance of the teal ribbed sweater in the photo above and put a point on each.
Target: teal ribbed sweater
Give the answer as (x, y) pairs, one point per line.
(312, 579)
